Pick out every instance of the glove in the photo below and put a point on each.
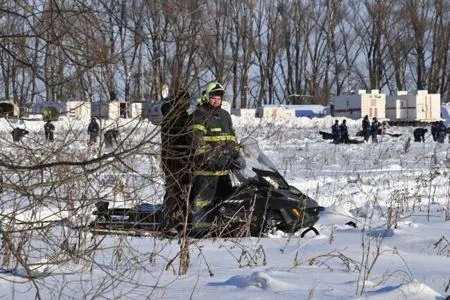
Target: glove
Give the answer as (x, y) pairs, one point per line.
(221, 161)
(230, 150)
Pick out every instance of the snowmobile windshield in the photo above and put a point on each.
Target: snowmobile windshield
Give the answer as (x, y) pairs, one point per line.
(258, 165)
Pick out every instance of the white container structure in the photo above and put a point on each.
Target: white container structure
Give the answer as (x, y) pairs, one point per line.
(9, 109)
(356, 106)
(78, 109)
(274, 111)
(244, 112)
(59, 107)
(409, 108)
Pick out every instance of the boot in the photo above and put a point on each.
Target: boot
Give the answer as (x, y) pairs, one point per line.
(202, 222)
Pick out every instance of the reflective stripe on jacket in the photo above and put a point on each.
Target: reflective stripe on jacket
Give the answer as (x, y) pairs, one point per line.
(211, 128)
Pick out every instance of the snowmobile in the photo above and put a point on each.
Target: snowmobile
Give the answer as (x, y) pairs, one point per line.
(261, 202)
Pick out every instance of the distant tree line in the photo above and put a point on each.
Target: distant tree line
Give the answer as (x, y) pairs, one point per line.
(264, 51)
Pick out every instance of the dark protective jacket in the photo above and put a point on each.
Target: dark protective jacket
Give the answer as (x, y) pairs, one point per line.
(18, 134)
(49, 127)
(344, 133)
(175, 138)
(175, 124)
(93, 129)
(48, 131)
(441, 132)
(214, 140)
(419, 134)
(336, 132)
(366, 125)
(366, 128)
(434, 130)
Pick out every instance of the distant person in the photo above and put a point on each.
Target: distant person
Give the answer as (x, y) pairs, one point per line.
(213, 141)
(111, 136)
(49, 128)
(18, 133)
(419, 134)
(366, 128)
(441, 132)
(434, 130)
(93, 131)
(344, 132)
(336, 132)
(374, 127)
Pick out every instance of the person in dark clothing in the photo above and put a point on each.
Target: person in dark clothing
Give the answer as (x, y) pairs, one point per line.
(49, 128)
(175, 157)
(344, 132)
(336, 132)
(215, 151)
(18, 133)
(374, 127)
(434, 130)
(366, 128)
(419, 134)
(441, 132)
(111, 136)
(93, 131)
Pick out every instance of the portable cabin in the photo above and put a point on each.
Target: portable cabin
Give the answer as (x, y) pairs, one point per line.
(110, 110)
(50, 110)
(356, 106)
(409, 108)
(274, 111)
(136, 109)
(78, 109)
(310, 110)
(154, 112)
(9, 109)
(445, 113)
(244, 112)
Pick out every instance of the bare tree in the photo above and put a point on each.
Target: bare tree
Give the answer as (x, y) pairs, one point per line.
(268, 25)
(417, 14)
(440, 48)
(241, 43)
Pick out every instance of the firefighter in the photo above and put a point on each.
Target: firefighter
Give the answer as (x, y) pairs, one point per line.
(214, 151)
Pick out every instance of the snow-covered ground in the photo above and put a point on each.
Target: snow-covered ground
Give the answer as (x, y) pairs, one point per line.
(396, 193)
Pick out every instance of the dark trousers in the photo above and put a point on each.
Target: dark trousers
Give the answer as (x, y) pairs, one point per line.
(206, 194)
(419, 137)
(49, 136)
(367, 134)
(177, 180)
